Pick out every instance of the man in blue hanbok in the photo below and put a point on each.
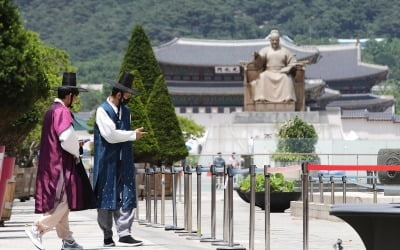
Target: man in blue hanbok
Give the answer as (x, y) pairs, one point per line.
(114, 170)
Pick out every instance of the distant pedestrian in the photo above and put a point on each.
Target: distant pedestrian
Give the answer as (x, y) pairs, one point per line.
(57, 183)
(219, 163)
(235, 163)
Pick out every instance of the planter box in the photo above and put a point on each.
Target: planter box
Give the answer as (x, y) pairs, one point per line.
(279, 201)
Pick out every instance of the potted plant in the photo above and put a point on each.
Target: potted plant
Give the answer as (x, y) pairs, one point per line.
(296, 143)
(282, 191)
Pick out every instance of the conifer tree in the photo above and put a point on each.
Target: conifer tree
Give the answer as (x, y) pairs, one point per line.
(140, 56)
(165, 124)
(146, 147)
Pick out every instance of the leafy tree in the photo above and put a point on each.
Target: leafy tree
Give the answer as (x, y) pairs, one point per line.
(27, 70)
(296, 136)
(146, 147)
(139, 55)
(190, 128)
(165, 124)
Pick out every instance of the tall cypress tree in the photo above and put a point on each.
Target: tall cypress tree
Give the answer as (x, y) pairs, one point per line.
(165, 124)
(140, 56)
(146, 147)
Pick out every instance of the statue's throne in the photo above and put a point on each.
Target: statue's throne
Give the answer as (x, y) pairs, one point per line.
(252, 71)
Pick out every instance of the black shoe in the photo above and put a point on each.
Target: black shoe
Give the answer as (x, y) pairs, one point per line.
(109, 242)
(130, 241)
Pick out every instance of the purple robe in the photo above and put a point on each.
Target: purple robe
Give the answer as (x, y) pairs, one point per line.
(53, 159)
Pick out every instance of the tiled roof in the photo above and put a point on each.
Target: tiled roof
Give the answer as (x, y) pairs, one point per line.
(203, 52)
(362, 101)
(205, 91)
(386, 115)
(341, 62)
(335, 62)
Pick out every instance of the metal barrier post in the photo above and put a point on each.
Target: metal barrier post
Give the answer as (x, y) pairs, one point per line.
(311, 188)
(162, 196)
(304, 178)
(332, 189)
(344, 180)
(188, 200)
(199, 171)
(174, 219)
(231, 244)
(252, 205)
(155, 196)
(321, 188)
(213, 201)
(267, 208)
(138, 171)
(225, 224)
(148, 198)
(374, 187)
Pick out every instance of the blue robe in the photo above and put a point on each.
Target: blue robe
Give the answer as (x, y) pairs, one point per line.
(114, 179)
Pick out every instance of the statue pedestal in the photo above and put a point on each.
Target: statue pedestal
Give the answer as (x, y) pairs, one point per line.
(275, 106)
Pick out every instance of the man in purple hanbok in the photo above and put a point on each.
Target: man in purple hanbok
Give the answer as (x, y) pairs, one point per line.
(114, 169)
(57, 189)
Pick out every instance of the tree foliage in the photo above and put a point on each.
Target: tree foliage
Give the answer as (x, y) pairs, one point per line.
(165, 124)
(139, 56)
(190, 128)
(28, 69)
(296, 136)
(146, 147)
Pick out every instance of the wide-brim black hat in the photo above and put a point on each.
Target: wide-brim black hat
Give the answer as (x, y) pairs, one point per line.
(69, 82)
(125, 83)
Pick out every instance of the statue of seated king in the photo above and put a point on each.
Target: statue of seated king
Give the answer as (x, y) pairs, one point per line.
(274, 80)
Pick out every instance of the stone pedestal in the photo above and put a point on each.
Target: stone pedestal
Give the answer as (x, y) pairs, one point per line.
(275, 106)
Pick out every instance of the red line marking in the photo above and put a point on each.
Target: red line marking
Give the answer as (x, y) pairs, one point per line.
(354, 167)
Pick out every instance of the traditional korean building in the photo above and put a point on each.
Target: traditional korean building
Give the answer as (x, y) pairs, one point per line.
(205, 75)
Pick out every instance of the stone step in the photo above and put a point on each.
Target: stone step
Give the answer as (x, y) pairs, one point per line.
(318, 210)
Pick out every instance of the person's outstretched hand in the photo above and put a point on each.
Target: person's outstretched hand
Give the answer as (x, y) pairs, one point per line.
(140, 132)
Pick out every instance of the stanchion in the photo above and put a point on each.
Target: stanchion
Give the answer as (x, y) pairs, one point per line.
(155, 195)
(344, 180)
(148, 201)
(138, 171)
(311, 188)
(332, 189)
(199, 171)
(252, 174)
(225, 225)
(321, 188)
(150, 173)
(163, 196)
(185, 231)
(375, 191)
(231, 244)
(267, 208)
(304, 178)
(190, 232)
(213, 212)
(174, 216)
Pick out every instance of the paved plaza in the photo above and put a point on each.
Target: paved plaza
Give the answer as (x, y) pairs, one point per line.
(286, 230)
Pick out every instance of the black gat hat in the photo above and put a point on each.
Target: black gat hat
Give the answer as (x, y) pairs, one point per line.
(125, 83)
(69, 82)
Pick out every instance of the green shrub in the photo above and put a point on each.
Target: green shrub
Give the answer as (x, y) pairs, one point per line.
(277, 183)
